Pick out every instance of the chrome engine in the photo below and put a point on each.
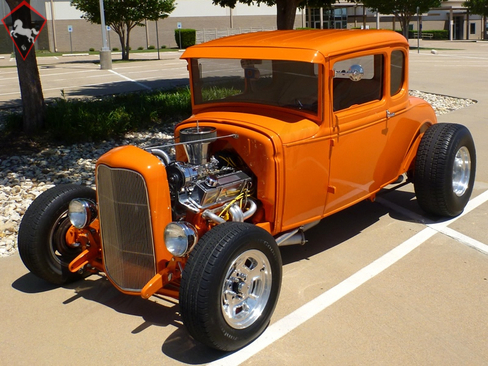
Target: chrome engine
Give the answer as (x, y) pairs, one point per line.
(216, 186)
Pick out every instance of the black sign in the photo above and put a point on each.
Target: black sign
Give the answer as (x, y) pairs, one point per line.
(24, 24)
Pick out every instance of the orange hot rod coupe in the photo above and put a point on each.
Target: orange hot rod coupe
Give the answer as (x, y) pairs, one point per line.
(288, 127)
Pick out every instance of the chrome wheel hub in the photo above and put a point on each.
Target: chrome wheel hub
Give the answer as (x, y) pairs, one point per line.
(246, 289)
(461, 171)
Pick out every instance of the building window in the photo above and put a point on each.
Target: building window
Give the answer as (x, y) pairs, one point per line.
(472, 28)
(331, 18)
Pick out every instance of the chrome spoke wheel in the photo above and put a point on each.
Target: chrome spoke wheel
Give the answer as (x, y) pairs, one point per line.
(461, 171)
(246, 289)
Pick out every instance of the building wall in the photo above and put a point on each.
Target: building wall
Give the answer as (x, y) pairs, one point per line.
(85, 35)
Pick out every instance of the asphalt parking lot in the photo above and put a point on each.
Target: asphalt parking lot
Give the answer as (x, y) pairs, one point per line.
(377, 284)
(80, 76)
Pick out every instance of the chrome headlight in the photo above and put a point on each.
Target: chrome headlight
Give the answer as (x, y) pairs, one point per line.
(180, 237)
(82, 212)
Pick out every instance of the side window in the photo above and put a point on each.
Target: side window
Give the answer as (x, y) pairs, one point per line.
(357, 81)
(397, 72)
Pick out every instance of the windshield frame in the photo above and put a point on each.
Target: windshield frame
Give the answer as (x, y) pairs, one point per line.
(249, 72)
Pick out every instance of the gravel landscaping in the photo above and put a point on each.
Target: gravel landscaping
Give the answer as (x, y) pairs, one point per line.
(24, 176)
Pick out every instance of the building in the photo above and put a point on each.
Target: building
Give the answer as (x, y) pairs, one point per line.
(66, 31)
(451, 16)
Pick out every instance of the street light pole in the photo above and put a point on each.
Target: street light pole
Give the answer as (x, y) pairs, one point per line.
(105, 54)
(55, 47)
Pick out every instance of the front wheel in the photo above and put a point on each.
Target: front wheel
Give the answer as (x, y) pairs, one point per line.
(42, 242)
(230, 285)
(444, 169)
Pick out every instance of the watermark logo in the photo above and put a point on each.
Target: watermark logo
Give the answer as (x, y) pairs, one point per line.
(24, 25)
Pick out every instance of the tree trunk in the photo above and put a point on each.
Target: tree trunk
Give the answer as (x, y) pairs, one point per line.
(121, 34)
(404, 22)
(286, 12)
(31, 93)
(484, 28)
(30, 85)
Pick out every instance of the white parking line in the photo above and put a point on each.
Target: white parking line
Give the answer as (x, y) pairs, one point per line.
(466, 240)
(441, 227)
(129, 79)
(285, 325)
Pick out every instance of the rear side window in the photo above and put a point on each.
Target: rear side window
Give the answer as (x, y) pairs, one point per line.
(350, 88)
(397, 72)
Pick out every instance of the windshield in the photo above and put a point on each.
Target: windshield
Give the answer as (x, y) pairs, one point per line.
(288, 84)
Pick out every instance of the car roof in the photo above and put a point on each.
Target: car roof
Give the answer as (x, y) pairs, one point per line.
(302, 45)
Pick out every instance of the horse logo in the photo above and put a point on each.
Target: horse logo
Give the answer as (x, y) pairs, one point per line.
(19, 29)
(18, 25)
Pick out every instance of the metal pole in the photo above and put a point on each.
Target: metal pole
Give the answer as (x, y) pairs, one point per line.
(104, 28)
(147, 33)
(105, 55)
(157, 39)
(55, 48)
(418, 30)
(451, 24)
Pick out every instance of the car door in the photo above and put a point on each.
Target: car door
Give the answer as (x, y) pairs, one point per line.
(361, 128)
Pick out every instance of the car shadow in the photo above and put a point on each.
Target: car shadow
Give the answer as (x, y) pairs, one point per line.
(31, 284)
(334, 230)
(181, 347)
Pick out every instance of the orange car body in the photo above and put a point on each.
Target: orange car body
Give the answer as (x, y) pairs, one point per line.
(307, 163)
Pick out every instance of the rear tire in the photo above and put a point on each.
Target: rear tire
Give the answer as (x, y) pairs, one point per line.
(42, 234)
(230, 285)
(445, 169)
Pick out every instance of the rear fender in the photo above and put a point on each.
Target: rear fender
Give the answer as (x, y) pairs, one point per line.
(409, 159)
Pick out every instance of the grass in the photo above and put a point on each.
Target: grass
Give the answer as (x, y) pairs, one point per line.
(82, 120)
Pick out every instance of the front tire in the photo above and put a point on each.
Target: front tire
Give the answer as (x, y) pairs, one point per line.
(445, 168)
(230, 285)
(42, 234)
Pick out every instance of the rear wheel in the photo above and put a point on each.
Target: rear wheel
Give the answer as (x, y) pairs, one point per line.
(42, 234)
(230, 285)
(445, 169)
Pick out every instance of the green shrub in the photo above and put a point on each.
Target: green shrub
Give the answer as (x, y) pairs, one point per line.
(81, 120)
(91, 49)
(140, 48)
(115, 49)
(188, 37)
(438, 34)
(75, 120)
(151, 47)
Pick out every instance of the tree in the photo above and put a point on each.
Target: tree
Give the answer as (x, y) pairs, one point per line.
(123, 16)
(285, 9)
(403, 10)
(29, 82)
(479, 7)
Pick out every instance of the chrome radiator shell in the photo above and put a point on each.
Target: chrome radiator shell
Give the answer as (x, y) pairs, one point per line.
(126, 227)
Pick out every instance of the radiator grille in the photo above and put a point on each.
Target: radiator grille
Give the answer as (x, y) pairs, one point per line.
(125, 224)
